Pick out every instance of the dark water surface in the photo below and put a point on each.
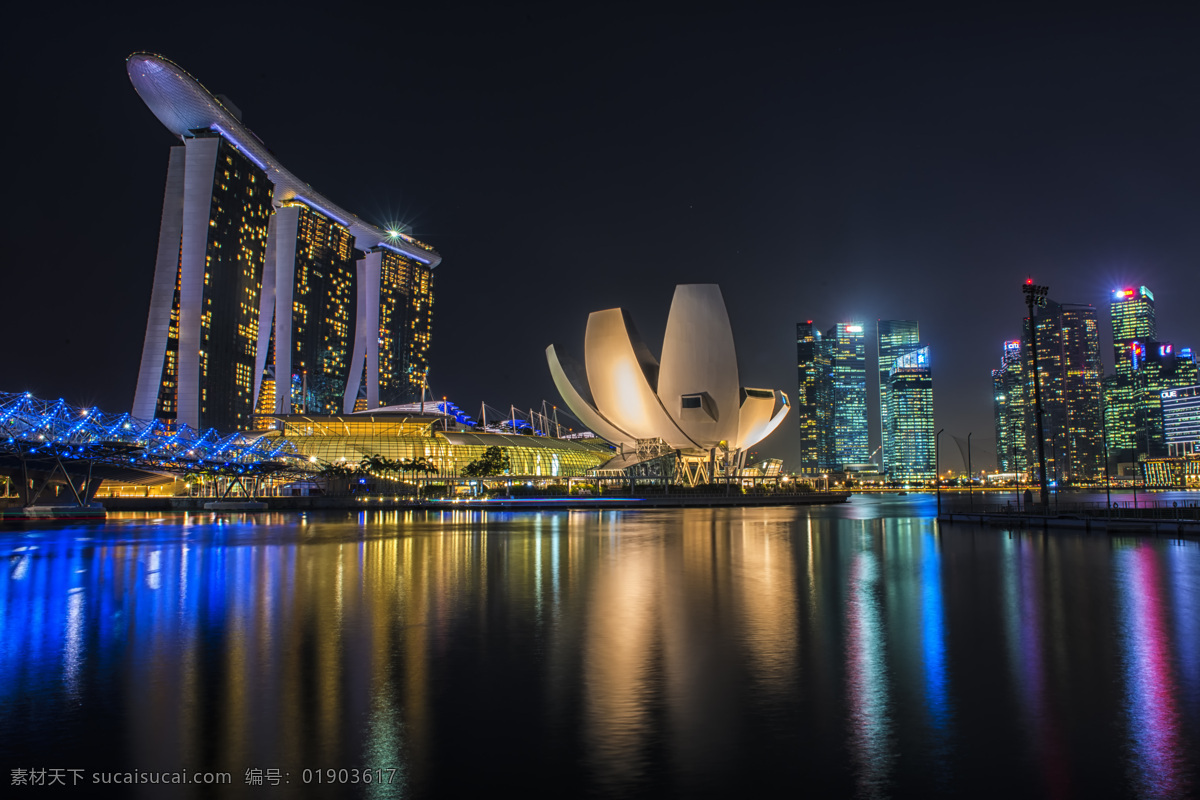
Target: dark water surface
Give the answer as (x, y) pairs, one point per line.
(855, 650)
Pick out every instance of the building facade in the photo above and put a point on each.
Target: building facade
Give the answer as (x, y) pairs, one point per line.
(1133, 323)
(686, 406)
(848, 394)
(198, 360)
(1159, 369)
(832, 399)
(1145, 368)
(1009, 408)
(1181, 421)
(267, 297)
(896, 337)
(1070, 372)
(910, 424)
(812, 400)
(1180, 468)
(308, 353)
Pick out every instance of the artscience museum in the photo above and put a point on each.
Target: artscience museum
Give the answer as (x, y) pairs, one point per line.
(685, 416)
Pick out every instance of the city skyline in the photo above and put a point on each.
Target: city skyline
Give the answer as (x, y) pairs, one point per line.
(854, 191)
(1091, 414)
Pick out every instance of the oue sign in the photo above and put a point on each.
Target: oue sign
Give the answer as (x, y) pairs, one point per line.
(1167, 395)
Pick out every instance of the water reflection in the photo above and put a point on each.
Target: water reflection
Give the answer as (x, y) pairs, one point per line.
(933, 645)
(650, 653)
(866, 674)
(1027, 602)
(1156, 745)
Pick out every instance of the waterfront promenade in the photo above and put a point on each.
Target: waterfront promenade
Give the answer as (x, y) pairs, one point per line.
(1121, 517)
(717, 498)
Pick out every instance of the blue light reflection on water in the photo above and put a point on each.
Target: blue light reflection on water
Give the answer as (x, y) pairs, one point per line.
(933, 641)
(844, 650)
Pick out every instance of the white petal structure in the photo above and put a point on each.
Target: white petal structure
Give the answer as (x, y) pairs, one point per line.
(692, 400)
(762, 411)
(699, 360)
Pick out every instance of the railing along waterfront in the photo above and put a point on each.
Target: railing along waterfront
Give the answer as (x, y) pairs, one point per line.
(1120, 509)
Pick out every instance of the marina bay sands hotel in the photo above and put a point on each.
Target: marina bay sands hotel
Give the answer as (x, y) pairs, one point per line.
(268, 298)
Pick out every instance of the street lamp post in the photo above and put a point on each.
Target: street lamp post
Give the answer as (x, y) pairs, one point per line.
(1013, 464)
(970, 476)
(937, 468)
(1107, 476)
(1054, 457)
(1036, 295)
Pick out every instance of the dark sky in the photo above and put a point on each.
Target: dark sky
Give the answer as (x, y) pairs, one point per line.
(858, 162)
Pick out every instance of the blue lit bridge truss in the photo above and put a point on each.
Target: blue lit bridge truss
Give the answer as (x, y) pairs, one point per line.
(42, 440)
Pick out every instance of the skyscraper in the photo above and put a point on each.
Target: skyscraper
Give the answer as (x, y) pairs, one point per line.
(812, 399)
(198, 360)
(1145, 368)
(1070, 372)
(848, 394)
(910, 431)
(396, 294)
(311, 339)
(1134, 323)
(896, 337)
(1181, 420)
(1158, 369)
(832, 398)
(266, 295)
(1133, 319)
(1009, 408)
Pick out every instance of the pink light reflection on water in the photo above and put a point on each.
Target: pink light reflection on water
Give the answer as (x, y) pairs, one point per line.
(1026, 598)
(1155, 741)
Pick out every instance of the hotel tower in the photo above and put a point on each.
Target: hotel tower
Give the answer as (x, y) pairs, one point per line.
(268, 298)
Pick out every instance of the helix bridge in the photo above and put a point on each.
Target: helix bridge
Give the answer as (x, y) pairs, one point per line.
(51, 443)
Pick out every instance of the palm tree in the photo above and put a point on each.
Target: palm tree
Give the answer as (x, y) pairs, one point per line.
(421, 465)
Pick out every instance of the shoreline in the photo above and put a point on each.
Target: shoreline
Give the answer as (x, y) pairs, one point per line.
(372, 502)
(1087, 523)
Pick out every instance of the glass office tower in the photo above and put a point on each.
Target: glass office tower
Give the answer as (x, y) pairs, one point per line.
(848, 394)
(1009, 408)
(1158, 369)
(1133, 324)
(1133, 319)
(897, 337)
(812, 399)
(910, 430)
(1181, 421)
(1070, 372)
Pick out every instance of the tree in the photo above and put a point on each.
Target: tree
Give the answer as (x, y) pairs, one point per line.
(422, 465)
(494, 461)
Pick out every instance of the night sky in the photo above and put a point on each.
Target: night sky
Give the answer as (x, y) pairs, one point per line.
(864, 163)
